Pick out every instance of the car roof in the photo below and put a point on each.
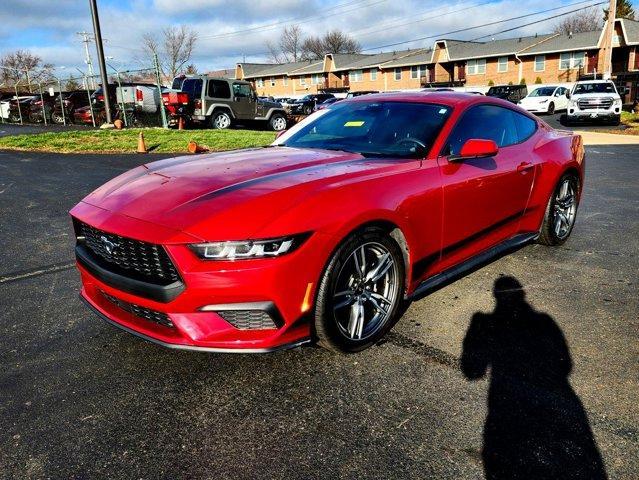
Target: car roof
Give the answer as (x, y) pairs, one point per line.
(451, 99)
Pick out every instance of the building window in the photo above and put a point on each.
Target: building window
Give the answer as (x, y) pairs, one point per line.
(502, 64)
(417, 71)
(540, 63)
(259, 82)
(285, 80)
(398, 74)
(355, 75)
(572, 60)
(476, 67)
(302, 80)
(373, 72)
(272, 79)
(316, 78)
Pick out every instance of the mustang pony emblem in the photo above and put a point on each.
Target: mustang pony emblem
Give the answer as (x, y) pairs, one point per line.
(109, 246)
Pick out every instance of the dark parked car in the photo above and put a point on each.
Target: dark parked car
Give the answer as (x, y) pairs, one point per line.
(306, 105)
(360, 93)
(512, 93)
(72, 101)
(20, 108)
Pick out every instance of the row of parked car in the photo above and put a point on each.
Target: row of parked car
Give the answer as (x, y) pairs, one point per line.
(135, 101)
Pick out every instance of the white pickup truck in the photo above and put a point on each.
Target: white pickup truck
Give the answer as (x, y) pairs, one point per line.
(594, 100)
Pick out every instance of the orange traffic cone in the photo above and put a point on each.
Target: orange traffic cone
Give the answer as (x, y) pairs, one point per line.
(181, 123)
(193, 147)
(141, 144)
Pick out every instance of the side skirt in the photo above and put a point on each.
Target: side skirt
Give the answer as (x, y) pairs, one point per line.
(456, 272)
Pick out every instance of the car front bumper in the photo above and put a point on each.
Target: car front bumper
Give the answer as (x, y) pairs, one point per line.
(197, 317)
(576, 114)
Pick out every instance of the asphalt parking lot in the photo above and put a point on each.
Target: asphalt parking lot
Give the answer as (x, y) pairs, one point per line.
(80, 399)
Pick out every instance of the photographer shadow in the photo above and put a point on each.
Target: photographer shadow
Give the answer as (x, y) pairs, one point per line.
(536, 427)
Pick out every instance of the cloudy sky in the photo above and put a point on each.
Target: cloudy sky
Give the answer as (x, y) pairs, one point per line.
(48, 27)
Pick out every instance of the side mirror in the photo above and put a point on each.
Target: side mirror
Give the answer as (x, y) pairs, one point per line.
(567, 94)
(476, 148)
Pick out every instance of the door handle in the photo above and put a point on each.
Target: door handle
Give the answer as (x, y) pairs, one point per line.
(523, 166)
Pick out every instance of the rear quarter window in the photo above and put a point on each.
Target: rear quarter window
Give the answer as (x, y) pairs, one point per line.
(526, 126)
(219, 89)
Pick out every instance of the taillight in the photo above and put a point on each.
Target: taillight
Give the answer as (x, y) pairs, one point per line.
(198, 104)
(138, 95)
(100, 98)
(38, 102)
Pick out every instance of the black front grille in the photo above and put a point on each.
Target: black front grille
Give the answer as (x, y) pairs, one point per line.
(131, 258)
(594, 103)
(141, 312)
(248, 319)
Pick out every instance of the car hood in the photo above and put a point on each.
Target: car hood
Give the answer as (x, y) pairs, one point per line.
(534, 99)
(227, 194)
(595, 95)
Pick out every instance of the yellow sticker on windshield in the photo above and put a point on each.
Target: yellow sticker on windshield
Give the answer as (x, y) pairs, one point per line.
(354, 123)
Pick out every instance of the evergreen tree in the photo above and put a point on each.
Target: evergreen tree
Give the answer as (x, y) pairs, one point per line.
(624, 10)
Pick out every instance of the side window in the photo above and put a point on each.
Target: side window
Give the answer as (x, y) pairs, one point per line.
(485, 122)
(241, 90)
(525, 126)
(218, 89)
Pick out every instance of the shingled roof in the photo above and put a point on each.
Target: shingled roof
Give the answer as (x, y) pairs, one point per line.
(565, 43)
(630, 29)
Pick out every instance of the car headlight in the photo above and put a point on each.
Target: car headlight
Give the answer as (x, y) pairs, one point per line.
(616, 101)
(247, 249)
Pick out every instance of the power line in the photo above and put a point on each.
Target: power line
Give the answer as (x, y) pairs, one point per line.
(537, 21)
(299, 20)
(440, 35)
(397, 23)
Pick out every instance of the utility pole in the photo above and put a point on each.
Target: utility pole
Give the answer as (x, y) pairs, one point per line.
(103, 72)
(609, 35)
(86, 39)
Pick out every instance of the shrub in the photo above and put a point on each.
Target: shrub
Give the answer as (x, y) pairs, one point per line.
(522, 81)
(491, 83)
(538, 80)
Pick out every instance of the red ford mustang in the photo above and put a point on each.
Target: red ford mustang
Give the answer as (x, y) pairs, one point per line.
(328, 233)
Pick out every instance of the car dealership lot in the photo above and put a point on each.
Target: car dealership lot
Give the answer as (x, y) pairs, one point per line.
(80, 399)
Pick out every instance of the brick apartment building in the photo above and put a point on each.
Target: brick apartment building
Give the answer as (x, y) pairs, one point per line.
(545, 58)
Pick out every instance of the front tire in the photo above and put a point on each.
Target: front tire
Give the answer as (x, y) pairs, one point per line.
(220, 120)
(361, 292)
(307, 110)
(551, 108)
(561, 212)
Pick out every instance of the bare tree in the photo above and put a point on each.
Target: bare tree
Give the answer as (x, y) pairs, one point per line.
(289, 46)
(174, 49)
(334, 41)
(337, 41)
(313, 48)
(582, 21)
(24, 67)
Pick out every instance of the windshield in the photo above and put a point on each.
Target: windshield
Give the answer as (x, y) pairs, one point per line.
(499, 90)
(380, 129)
(542, 92)
(595, 88)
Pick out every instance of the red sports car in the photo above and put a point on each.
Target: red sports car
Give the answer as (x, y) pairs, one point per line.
(328, 233)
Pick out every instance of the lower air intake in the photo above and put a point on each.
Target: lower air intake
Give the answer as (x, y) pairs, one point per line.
(141, 312)
(248, 319)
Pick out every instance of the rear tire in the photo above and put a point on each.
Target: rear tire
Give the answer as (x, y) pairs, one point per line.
(220, 120)
(360, 294)
(561, 211)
